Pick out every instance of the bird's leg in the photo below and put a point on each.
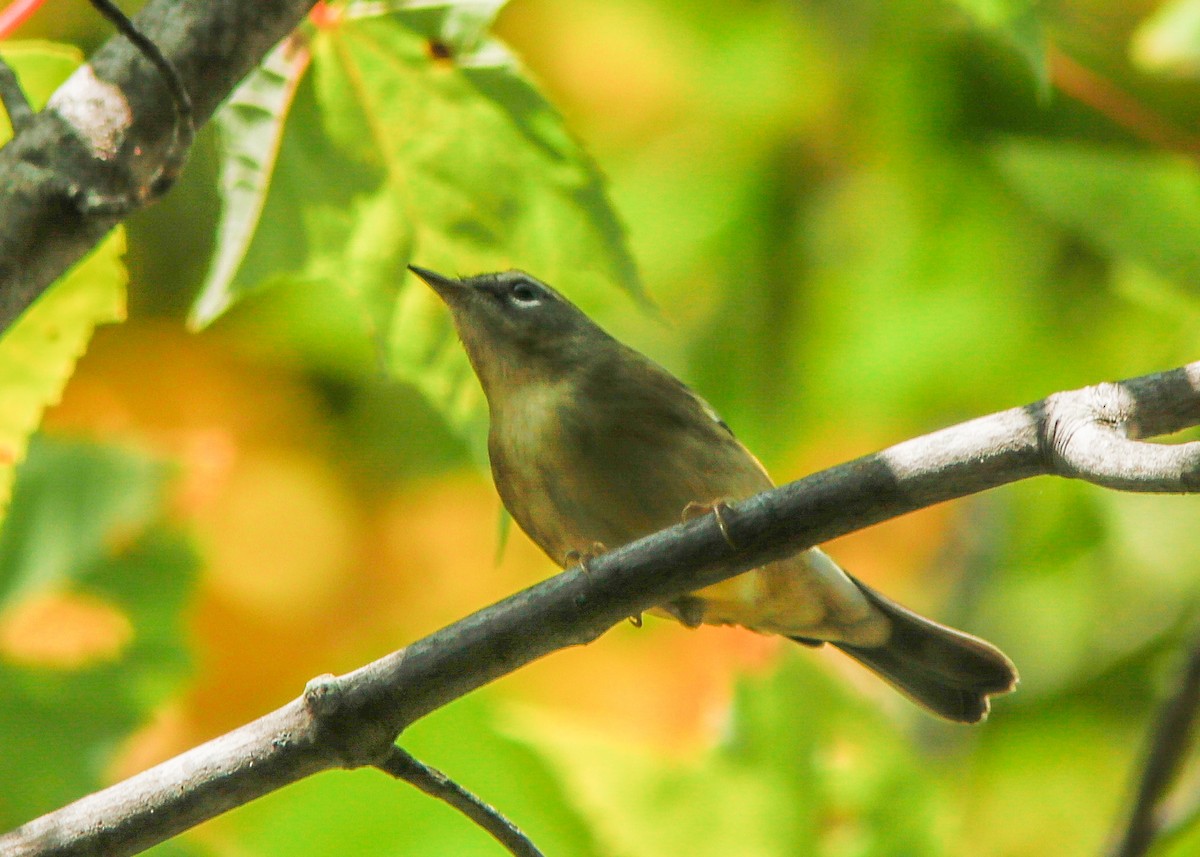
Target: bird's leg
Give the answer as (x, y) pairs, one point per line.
(688, 609)
(574, 557)
(694, 510)
(584, 559)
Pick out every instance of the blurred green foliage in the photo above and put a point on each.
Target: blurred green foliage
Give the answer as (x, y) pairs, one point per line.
(858, 221)
(85, 530)
(790, 776)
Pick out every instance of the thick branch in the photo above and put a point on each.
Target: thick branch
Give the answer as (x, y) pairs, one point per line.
(107, 130)
(352, 720)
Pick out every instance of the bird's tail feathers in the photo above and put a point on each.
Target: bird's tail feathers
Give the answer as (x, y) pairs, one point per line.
(949, 672)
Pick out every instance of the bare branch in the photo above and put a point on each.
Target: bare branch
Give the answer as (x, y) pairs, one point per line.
(403, 766)
(110, 132)
(353, 720)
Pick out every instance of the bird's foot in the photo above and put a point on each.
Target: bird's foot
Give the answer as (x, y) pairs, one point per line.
(718, 508)
(584, 558)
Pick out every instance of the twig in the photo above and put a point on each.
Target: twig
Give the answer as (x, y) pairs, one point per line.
(1170, 739)
(403, 766)
(20, 113)
(353, 720)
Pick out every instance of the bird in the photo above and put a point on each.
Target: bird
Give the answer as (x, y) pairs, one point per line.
(593, 445)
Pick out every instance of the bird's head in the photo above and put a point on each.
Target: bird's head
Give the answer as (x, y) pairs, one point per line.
(516, 328)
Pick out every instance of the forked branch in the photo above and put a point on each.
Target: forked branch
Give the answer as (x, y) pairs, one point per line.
(1096, 434)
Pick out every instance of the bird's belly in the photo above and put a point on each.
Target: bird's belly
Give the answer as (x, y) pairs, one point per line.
(543, 491)
(807, 595)
(555, 523)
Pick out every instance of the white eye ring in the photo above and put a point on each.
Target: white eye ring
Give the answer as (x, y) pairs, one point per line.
(525, 294)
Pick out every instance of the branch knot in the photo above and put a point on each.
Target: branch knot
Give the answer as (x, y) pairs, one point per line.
(1091, 434)
(323, 696)
(354, 740)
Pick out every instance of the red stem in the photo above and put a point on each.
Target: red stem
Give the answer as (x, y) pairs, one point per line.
(15, 14)
(1081, 83)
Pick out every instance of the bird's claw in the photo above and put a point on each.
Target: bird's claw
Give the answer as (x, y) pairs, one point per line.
(583, 558)
(694, 510)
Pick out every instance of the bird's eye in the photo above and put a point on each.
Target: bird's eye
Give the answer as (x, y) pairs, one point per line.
(526, 294)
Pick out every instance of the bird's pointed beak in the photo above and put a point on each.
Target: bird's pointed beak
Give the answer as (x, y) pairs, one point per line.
(448, 289)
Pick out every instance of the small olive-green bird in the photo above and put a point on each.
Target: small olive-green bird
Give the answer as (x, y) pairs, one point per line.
(594, 445)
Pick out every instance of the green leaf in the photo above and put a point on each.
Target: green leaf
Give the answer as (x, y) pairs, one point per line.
(85, 523)
(464, 23)
(1143, 206)
(503, 181)
(71, 501)
(250, 127)
(460, 162)
(38, 353)
(489, 177)
(314, 202)
(417, 137)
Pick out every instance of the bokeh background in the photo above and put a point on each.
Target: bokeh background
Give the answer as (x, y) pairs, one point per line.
(856, 222)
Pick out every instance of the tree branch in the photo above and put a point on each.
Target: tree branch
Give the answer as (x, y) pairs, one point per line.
(110, 132)
(353, 720)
